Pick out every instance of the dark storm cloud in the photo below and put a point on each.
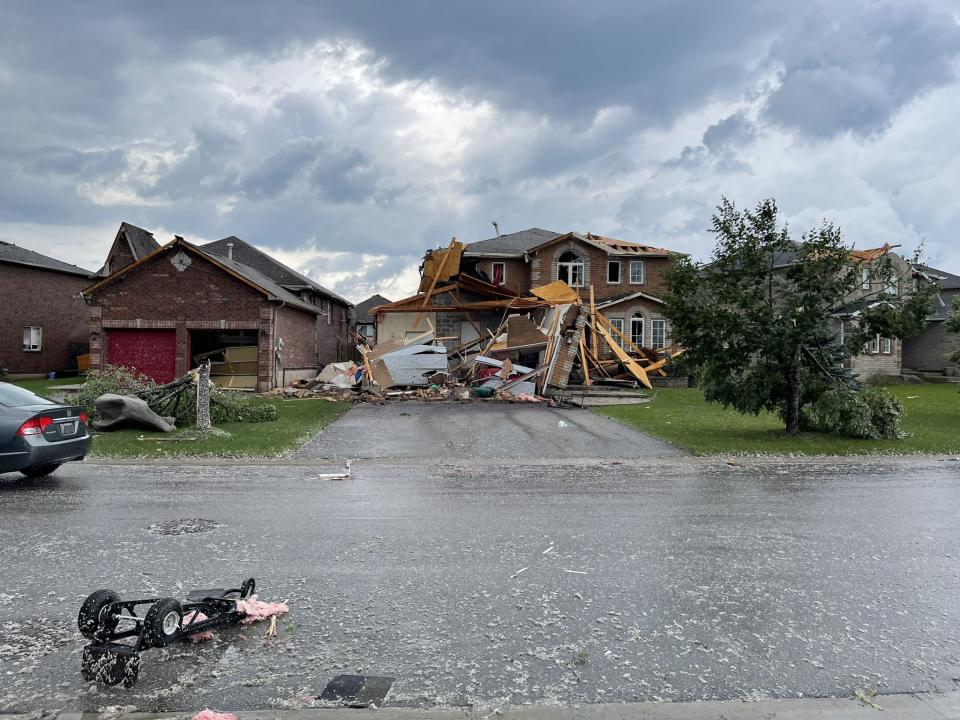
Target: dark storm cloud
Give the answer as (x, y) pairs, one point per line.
(850, 68)
(144, 99)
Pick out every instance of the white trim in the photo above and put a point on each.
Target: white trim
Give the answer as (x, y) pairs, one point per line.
(619, 279)
(33, 338)
(634, 296)
(886, 346)
(865, 278)
(643, 273)
(618, 324)
(643, 328)
(570, 266)
(653, 332)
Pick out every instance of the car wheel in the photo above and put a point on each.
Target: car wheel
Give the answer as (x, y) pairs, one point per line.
(89, 619)
(163, 622)
(40, 470)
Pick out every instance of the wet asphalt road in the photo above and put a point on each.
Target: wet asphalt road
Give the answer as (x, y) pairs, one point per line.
(476, 583)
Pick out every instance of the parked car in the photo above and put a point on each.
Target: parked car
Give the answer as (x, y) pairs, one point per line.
(38, 435)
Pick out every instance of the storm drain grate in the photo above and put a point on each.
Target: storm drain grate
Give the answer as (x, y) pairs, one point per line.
(357, 690)
(184, 526)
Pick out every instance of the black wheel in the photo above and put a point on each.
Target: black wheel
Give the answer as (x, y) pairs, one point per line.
(40, 470)
(248, 588)
(162, 624)
(89, 620)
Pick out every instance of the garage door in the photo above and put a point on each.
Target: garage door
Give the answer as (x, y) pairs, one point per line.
(151, 352)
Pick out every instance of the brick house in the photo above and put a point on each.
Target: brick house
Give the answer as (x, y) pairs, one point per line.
(930, 351)
(181, 300)
(364, 323)
(43, 319)
(627, 277)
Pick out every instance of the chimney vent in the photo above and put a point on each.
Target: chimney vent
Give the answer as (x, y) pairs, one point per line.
(230, 251)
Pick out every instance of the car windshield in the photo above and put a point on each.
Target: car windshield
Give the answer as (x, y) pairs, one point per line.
(13, 396)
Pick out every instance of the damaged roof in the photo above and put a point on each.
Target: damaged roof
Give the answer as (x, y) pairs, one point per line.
(511, 244)
(610, 246)
(16, 255)
(141, 241)
(947, 281)
(252, 257)
(249, 275)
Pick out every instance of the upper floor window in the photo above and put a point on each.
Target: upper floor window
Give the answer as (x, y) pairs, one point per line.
(865, 278)
(637, 272)
(613, 272)
(499, 273)
(570, 269)
(33, 338)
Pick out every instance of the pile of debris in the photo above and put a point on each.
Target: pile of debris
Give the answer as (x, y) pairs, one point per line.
(552, 347)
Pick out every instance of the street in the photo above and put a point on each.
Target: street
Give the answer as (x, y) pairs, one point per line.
(474, 582)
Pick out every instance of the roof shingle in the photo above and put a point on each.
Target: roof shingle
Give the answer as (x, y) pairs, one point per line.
(16, 255)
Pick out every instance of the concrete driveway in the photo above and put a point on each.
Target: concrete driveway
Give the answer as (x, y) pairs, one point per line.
(455, 431)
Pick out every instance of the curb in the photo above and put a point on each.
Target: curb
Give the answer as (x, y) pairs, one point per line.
(912, 706)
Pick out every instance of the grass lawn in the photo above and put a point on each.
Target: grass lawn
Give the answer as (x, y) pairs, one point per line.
(299, 421)
(681, 417)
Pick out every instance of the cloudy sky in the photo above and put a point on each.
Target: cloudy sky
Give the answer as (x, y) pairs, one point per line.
(347, 137)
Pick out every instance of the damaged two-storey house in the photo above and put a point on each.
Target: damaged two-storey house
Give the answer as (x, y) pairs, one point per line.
(627, 281)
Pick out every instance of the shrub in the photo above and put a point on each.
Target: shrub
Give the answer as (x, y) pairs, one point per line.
(868, 412)
(111, 379)
(225, 406)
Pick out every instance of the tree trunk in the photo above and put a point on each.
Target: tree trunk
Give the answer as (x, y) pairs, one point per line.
(793, 399)
(203, 398)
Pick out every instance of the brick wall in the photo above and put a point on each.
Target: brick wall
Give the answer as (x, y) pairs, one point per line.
(299, 331)
(334, 341)
(543, 269)
(119, 256)
(626, 310)
(929, 351)
(30, 296)
(869, 364)
(202, 297)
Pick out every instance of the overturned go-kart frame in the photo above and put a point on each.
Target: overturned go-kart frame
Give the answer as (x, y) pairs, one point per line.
(106, 619)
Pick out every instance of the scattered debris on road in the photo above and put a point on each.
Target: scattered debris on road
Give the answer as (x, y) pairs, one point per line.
(107, 620)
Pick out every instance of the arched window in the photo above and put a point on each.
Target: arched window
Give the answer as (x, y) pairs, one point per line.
(636, 329)
(570, 269)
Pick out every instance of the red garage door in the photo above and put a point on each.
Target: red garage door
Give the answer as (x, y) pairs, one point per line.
(152, 352)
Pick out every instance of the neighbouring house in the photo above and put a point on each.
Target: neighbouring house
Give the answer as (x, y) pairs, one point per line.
(43, 319)
(365, 323)
(165, 311)
(930, 351)
(881, 355)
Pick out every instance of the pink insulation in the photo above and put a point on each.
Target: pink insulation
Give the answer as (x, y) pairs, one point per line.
(257, 610)
(213, 715)
(191, 618)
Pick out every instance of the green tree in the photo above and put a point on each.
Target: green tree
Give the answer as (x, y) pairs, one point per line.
(953, 325)
(760, 320)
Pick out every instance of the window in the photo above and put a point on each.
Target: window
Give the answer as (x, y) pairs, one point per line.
(636, 329)
(613, 272)
(875, 344)
(886, 346)
(33, 338)
(865, 278)
(499, 273)
(658, 334)
(618, 324)
(570, 269)
(636, 272)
